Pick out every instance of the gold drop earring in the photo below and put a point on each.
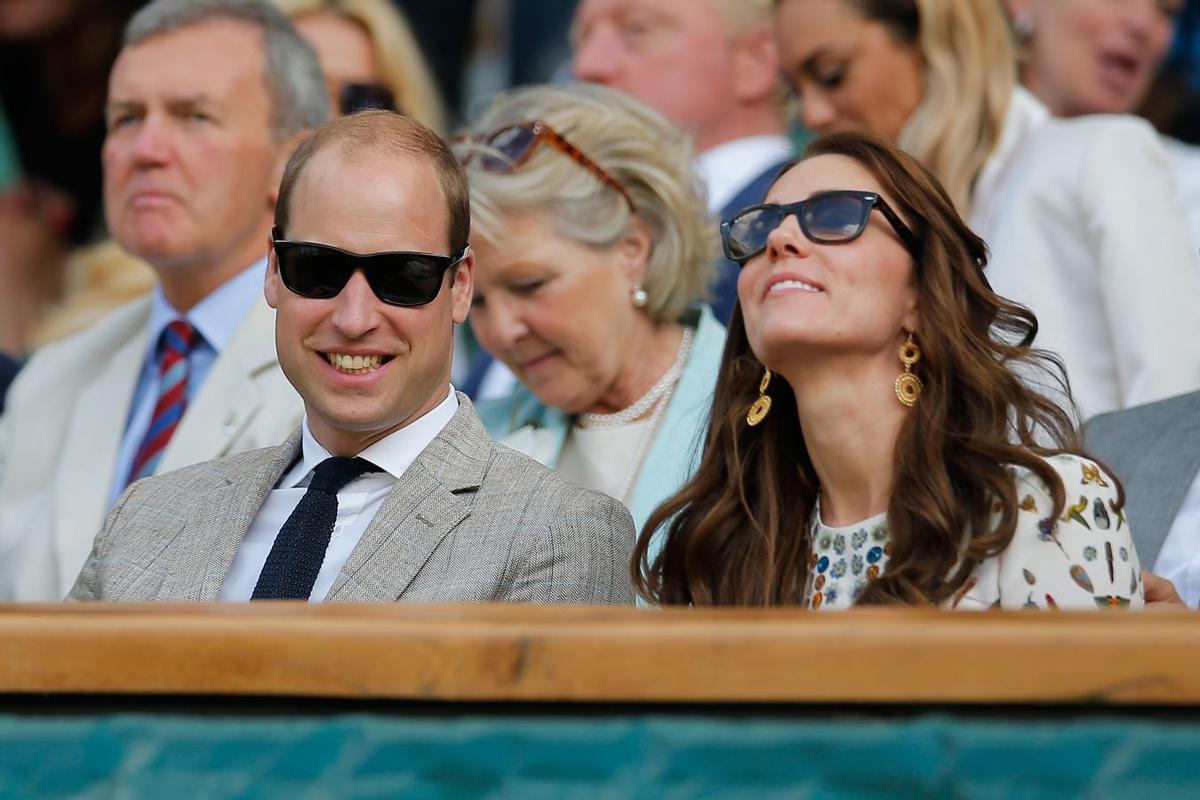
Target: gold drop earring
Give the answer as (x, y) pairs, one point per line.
(762, 406)
(908, 385)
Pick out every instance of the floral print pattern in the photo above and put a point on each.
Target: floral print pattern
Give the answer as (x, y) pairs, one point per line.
(1083, 557)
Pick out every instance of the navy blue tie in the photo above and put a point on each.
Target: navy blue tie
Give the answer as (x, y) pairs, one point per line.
(299, 550)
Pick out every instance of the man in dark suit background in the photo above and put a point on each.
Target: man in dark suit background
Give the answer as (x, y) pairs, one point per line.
(709, 66)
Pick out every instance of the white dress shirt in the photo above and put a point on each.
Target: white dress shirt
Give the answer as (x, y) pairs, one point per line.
(729, 167)
(358, 501)
(1179, 559)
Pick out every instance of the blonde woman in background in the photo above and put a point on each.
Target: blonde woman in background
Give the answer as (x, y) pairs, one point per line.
(366, 46)
(1101, 57)
(593, 252)
(1082, 216)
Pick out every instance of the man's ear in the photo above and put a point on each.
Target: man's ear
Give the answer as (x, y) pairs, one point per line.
(273, 285)
(462, 287)
(755, 62)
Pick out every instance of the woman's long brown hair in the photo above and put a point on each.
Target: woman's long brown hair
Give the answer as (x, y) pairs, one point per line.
(736, 534)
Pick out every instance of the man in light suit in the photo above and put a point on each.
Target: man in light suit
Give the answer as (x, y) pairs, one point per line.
(391, 489)
(206, 102)
(1155, 450)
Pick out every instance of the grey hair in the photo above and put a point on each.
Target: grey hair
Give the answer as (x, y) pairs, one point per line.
(637, 147)
(291, 72)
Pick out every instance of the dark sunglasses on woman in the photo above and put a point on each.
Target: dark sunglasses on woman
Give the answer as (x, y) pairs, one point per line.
(319, 271)
(512, 145)
(826, 218)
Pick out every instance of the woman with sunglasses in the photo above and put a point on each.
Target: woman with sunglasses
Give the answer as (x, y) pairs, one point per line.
(1082, 216)
(870, 441)
(370, 57)
(593, 252)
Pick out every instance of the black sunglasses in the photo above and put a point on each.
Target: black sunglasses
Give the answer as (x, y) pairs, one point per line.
(826, 218)
(354, 97)
(319, 271)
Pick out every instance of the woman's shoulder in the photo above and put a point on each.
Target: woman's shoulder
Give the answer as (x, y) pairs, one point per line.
(1074, 471)
(1078, 556)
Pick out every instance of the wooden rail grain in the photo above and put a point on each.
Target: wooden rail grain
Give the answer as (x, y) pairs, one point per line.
(530, 653)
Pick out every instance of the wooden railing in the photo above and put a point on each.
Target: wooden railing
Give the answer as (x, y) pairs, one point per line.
(591, 654)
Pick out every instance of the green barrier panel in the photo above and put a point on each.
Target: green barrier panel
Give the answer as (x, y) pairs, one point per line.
(658, 755)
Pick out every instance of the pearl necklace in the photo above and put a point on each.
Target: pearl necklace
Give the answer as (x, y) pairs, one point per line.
(647, 401)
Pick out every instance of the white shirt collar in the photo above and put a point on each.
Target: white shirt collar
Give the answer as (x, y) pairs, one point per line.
(393, 454)
(728, 167)
(218, 315)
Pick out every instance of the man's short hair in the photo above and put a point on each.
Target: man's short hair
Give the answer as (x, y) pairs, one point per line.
(393, 135)
(291, 72)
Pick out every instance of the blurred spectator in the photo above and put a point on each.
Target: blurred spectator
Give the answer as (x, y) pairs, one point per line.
(712, 68)
(1101, 56)
(54, 59)
(199, 131)
(593, 253)
(369, 56)
(1082, 215)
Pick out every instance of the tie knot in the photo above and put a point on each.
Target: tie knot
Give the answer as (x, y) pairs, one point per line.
(333, 473)
(178, 336)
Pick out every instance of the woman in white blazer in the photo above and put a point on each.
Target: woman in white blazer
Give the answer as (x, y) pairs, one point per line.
(1101, 57)
(1082, 216)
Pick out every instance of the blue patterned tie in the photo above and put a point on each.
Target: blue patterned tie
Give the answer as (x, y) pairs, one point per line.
(174, 346)
(299, 550)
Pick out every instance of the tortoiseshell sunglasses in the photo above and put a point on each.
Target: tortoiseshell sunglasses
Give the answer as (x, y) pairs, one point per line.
(512, 145)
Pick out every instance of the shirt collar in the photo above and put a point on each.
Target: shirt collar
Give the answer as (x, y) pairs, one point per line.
(393, 454)
(216, 317)
(730, 166)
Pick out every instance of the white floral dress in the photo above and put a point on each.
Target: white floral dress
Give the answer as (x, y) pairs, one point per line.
(1082, 559)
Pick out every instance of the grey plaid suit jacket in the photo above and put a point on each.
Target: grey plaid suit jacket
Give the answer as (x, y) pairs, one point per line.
(1155, 450)
(469, 521)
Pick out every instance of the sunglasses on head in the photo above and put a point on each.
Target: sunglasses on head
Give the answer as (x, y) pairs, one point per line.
(826, 218)
(319, 271)
(354, 97)
(512, 145)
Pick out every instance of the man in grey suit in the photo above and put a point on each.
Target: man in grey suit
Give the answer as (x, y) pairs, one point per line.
(1155, 450)
(391, 489)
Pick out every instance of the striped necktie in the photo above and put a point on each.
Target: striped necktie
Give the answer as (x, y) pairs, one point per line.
(173, 348)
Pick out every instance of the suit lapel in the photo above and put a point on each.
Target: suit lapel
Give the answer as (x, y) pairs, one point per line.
(91, 443)
(217, 522)
(229, 399)
(430, 499)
